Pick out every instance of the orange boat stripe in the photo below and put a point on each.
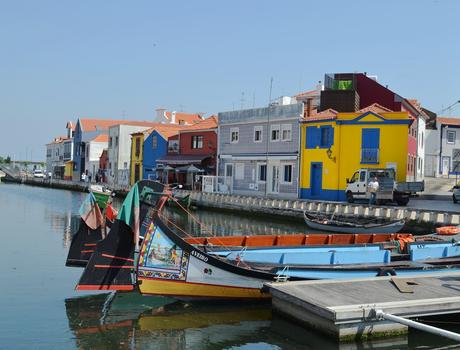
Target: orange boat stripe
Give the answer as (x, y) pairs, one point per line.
(87, 251)
(114, 266)
(117, 257)
(103, 287)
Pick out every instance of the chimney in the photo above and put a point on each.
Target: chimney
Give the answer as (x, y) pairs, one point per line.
(173, 117)
(160, 117)
(309, 107)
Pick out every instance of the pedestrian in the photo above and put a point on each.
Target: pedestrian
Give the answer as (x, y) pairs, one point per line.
(373, 187)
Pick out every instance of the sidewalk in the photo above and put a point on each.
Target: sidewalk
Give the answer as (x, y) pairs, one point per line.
(438, 188)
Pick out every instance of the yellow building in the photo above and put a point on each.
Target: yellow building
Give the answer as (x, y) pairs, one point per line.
(137, 145)
(335, 145)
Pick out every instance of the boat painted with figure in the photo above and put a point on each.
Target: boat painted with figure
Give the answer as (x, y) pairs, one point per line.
(171, 262)
(342, 224)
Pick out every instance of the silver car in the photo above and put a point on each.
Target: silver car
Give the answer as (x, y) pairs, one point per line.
(456, 194)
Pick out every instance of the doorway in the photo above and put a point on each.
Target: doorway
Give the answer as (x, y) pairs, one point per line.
(316, 179)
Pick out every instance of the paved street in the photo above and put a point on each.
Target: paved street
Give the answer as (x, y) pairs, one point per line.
(433, 204)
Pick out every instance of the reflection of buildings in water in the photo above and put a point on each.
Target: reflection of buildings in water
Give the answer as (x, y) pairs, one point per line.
(63, 222)
(225, 224)
(167, 324)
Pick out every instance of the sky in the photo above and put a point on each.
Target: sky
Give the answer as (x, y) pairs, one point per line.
(61, 60)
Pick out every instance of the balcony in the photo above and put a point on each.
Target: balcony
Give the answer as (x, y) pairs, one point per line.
(370, 155)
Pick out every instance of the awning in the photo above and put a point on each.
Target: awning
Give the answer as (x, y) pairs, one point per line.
(183, 159)
(189, 169)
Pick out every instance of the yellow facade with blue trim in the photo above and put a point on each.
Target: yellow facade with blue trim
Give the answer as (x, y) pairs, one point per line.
(135, 169)
(332, 149)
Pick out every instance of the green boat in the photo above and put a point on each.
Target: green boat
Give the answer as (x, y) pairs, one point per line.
(102, 195)
(178, 202)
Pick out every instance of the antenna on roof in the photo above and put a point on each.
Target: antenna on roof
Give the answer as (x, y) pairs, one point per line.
(242, 99)
(448, 108)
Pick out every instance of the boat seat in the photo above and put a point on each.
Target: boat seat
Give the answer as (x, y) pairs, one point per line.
(361, 257)
(452, 251)
(432, 251)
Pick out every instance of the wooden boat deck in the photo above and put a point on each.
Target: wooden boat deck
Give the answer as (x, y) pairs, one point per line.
(297, 239)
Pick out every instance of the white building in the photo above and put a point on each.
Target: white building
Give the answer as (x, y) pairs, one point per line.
(119, 151)
(94, 150)
(443, 148)
(58, 152)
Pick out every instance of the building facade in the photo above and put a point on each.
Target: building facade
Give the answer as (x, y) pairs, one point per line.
(335, 146)
(192, 152)
(94, 149)
(119, 151)
(259, 150)
(443, 148)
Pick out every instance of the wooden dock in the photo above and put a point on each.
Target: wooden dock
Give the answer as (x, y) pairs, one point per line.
(345, 309)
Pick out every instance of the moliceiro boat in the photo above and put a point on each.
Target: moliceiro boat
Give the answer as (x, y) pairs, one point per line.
(353, 224)
(148, 250)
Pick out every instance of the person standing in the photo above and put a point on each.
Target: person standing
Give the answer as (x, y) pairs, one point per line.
(373, 187)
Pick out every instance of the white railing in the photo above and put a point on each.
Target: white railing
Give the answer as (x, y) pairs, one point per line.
(216, 184)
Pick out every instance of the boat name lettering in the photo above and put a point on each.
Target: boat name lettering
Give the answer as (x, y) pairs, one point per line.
(199, 256)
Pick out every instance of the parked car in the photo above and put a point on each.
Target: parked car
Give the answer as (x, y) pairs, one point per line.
(456, 193)
(39, 173)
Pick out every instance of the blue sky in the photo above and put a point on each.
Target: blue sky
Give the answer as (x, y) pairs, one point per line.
(61, 60)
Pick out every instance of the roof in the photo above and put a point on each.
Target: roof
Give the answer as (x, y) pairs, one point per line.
(310, 93)
(101, 138)
(58, 139)
(448, 121)
(418, 107)
(103, 124)
(187, 118)
(165, 130)
(376, 108)
(205, 124)
(327, 114)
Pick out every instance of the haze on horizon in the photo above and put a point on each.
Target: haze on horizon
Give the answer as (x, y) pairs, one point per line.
(62, 60)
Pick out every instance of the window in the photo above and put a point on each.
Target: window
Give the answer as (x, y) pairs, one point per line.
(116, 140)
(275, 133)
(258, 133)
(287, 177)
(450, 136)
(326, 137)
(370, 143)
(125, 165)
(286, 131)
(154, 142)
(110, 141)
(322, 137)
(456, 166)
(239, 171)
(262, 172)
(234, 135)
(138, 147)
(197, 141)
(362, 176)
(110, 165)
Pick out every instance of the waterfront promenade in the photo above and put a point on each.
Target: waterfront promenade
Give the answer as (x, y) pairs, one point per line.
(422, 215)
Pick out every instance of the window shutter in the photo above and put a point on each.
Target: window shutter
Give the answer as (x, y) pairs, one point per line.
(312, 137)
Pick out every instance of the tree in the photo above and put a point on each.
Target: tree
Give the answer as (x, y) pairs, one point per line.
(8, 160)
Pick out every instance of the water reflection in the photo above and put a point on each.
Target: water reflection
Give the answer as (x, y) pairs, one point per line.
(216, 223)
(130, 321)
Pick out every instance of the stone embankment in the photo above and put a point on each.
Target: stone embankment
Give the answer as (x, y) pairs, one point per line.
(418, 220)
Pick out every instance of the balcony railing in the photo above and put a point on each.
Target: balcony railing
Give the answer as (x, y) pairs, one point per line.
(370, 155)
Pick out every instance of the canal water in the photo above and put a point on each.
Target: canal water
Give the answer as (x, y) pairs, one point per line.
(39, 308)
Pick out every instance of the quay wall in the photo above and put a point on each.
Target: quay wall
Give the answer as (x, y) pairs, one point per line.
(417, 220)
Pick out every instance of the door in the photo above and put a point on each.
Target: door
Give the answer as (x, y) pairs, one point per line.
(274, 178)
(361, 185)
(228, 178)
(445, 165)
(137, 173)
(316, 179)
